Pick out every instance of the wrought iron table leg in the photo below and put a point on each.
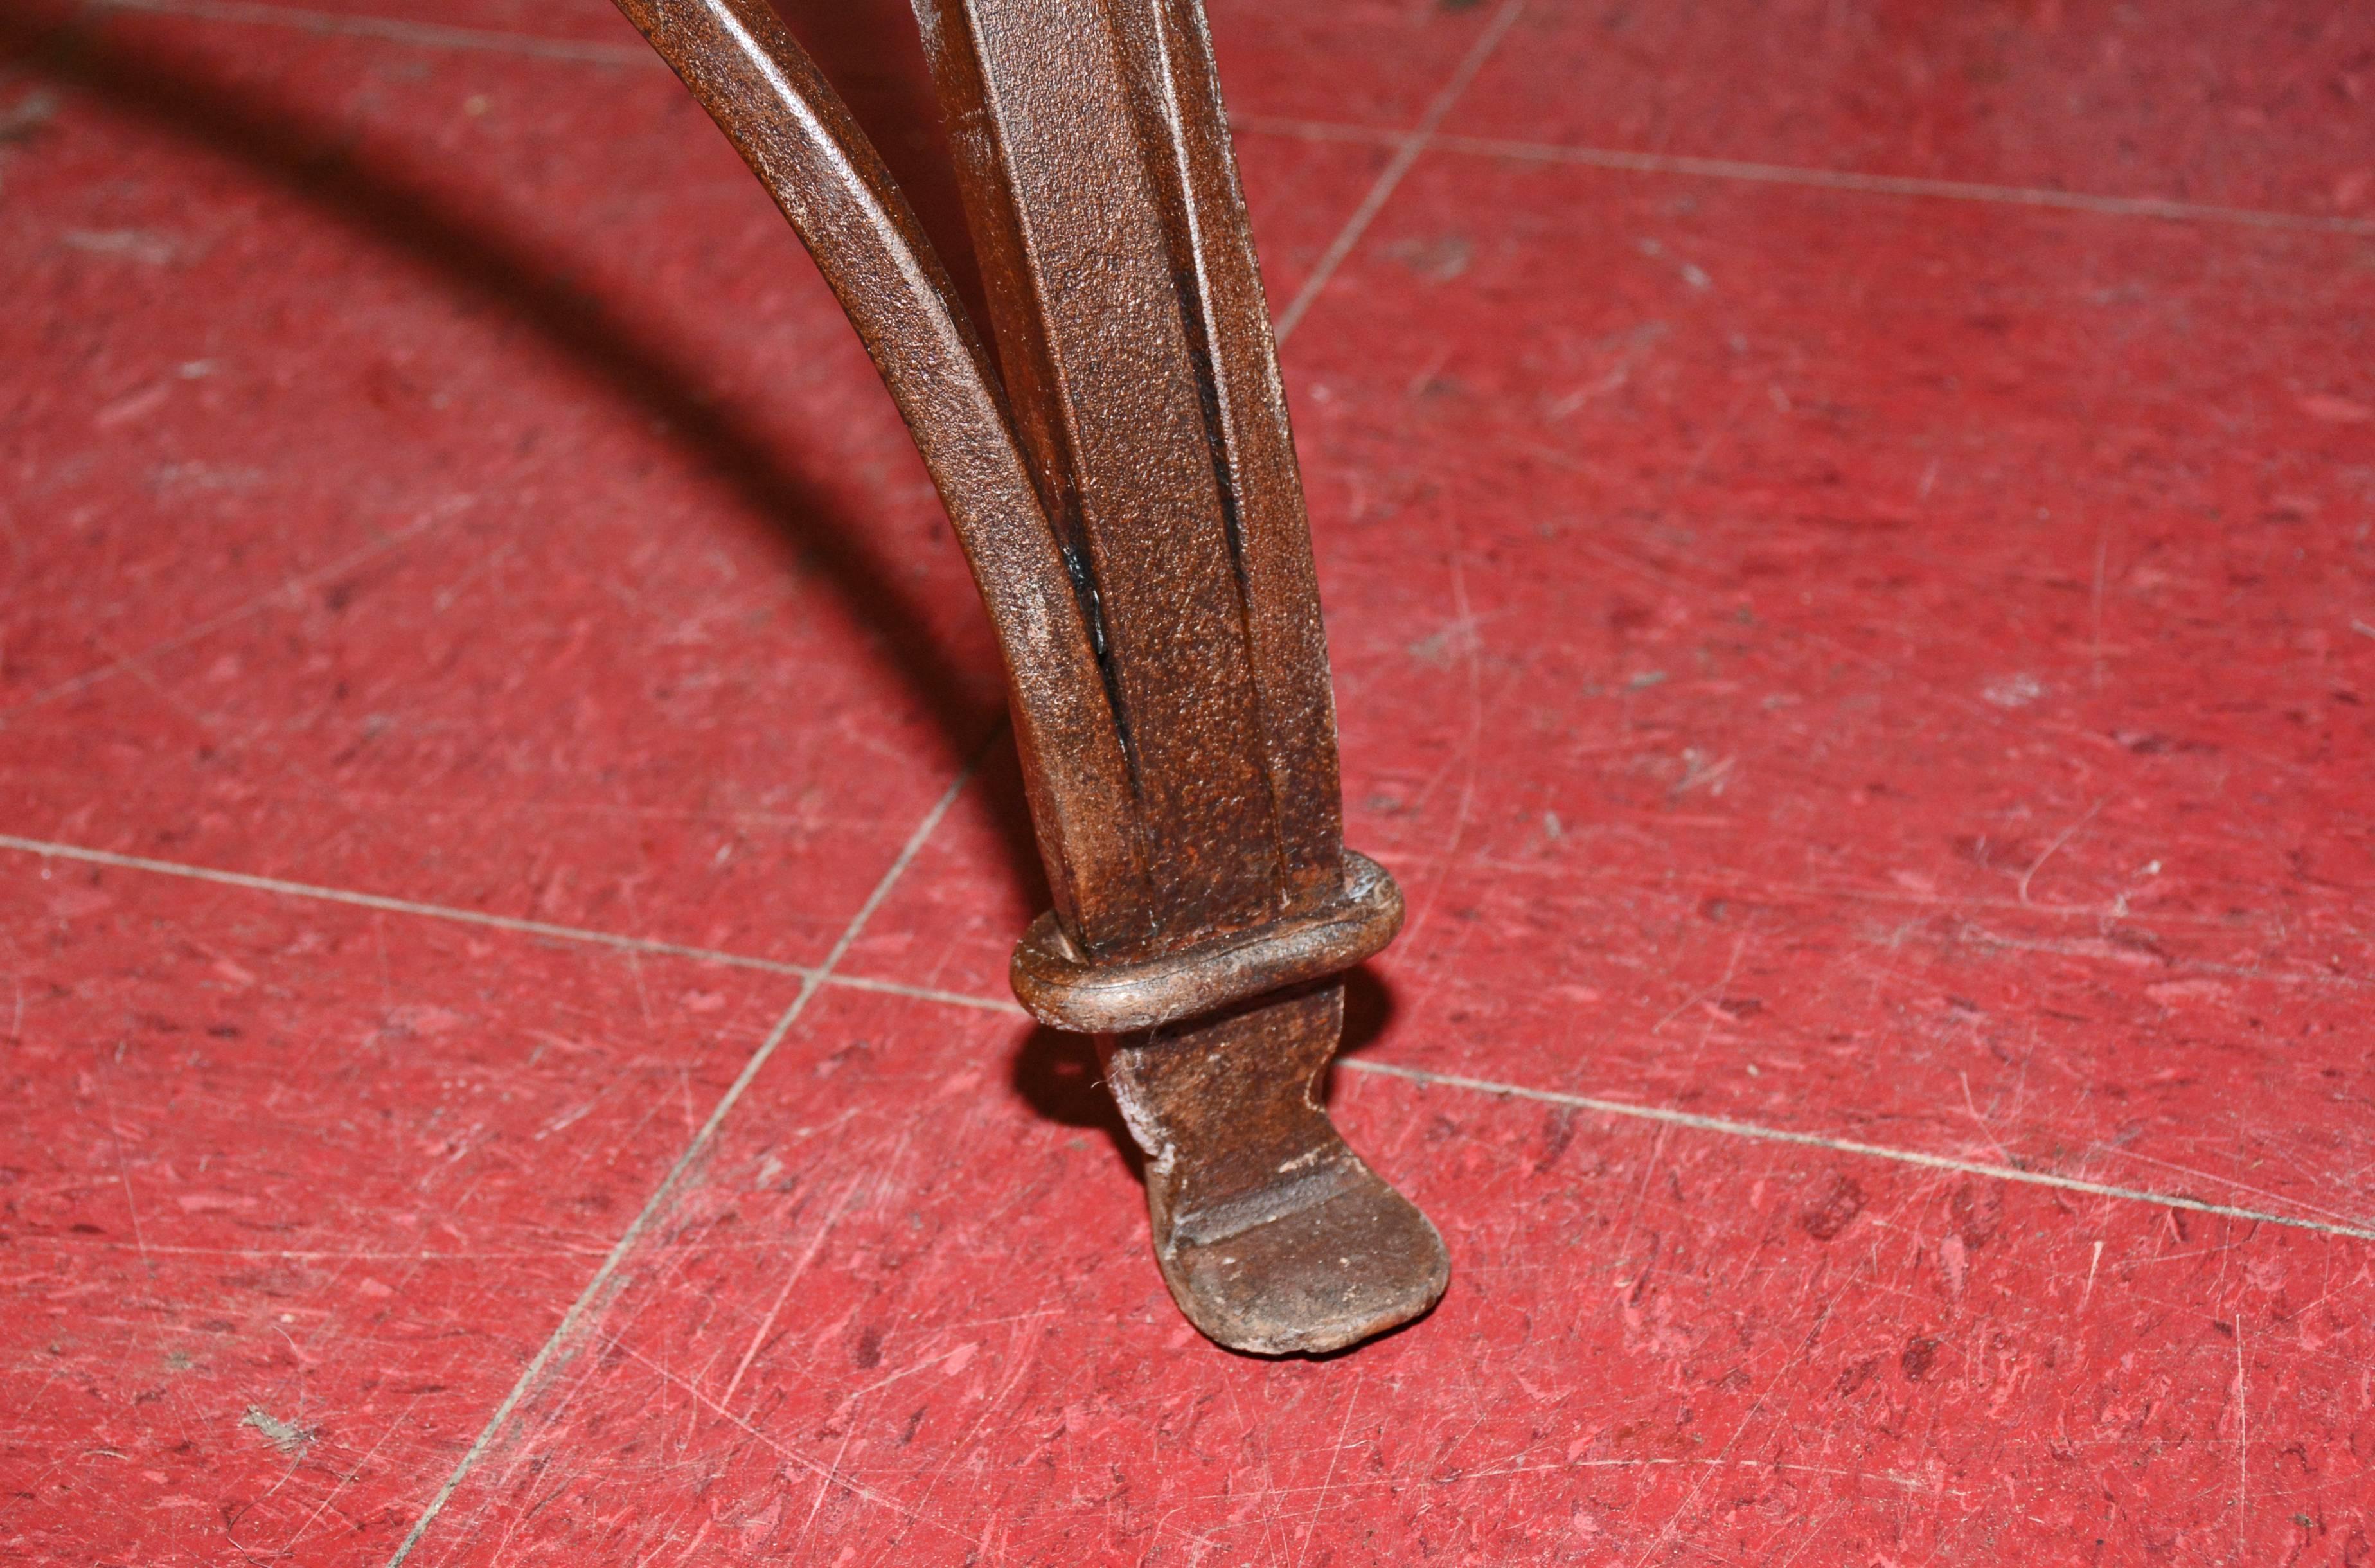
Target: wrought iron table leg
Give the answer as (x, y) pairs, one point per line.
(1124, 483)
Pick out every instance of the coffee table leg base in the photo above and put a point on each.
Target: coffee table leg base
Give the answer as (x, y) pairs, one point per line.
(1273, 1236)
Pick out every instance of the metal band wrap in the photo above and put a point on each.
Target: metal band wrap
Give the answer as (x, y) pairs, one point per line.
(1064, 990)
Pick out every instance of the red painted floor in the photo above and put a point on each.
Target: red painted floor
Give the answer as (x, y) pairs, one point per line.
(1849, 533)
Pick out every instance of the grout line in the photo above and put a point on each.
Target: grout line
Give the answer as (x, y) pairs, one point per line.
(425, 35)
(1850, 1146)
(1908, 186)
(931, 994)
(1828, 179)
(595, 1288)
(823, 976)
(433, 35)
(49, 851)
(1414, 142)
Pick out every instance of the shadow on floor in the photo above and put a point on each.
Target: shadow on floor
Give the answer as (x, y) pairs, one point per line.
(307, 154)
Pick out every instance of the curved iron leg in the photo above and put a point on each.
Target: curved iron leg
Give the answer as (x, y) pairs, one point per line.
(1124, 483)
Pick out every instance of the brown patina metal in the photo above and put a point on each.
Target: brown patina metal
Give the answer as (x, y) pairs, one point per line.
(1123, 481)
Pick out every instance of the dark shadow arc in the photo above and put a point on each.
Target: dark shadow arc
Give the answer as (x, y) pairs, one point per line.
(914, 331)
(312, 162)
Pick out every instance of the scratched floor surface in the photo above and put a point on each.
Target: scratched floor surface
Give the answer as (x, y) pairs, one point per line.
(1848, 535)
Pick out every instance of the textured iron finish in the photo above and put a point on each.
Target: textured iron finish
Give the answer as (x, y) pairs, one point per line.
(1119, 996)
(1124, 483)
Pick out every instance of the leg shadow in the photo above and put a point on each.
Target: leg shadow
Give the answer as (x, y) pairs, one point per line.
(305, 153)
(1059, 1076)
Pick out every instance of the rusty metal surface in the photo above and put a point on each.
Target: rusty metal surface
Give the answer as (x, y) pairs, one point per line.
(1066, 990)
(1273, 1234)
(1123, 481)
(792, 130)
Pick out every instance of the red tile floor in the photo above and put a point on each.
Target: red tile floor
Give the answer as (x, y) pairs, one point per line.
(1848, 531)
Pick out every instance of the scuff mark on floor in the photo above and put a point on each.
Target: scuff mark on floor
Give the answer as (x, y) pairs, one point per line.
(287, 1436)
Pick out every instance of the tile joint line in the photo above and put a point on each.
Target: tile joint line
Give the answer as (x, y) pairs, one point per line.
(1797, 175)
(822, 976)
(1850, 1146)
(49, 850)
(393, 30)
(596, 1288)
(1413, 143)
(437, 35)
